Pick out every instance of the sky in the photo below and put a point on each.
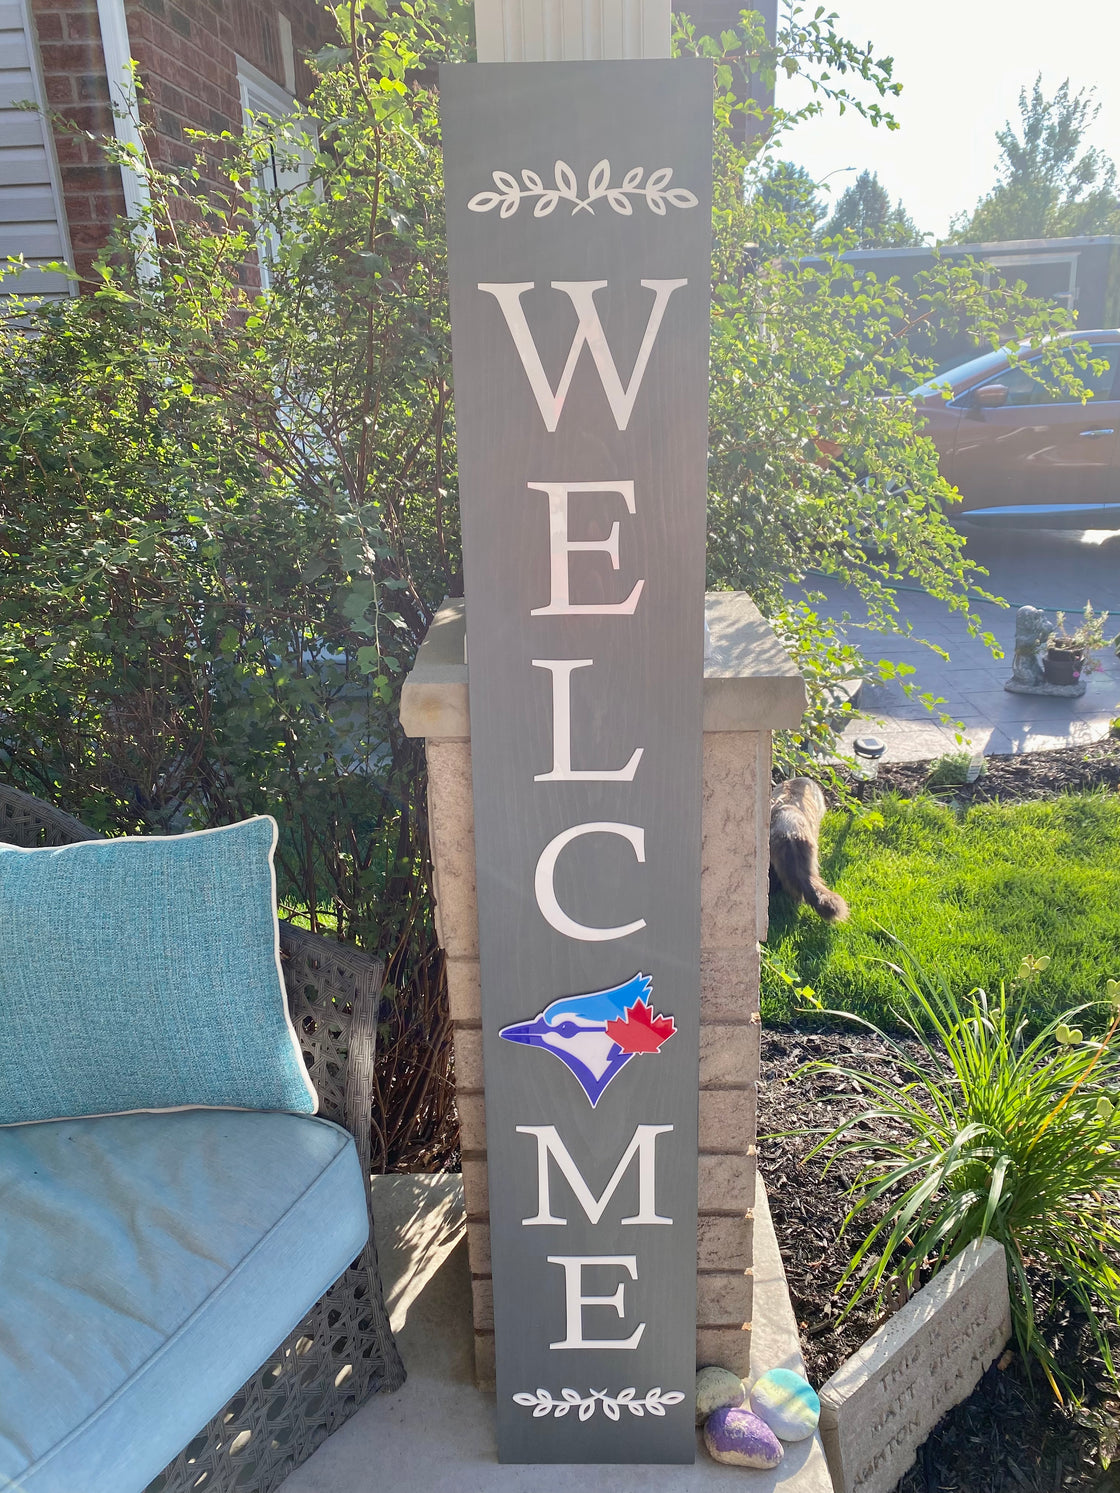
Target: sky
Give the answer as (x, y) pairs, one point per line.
(961, 64)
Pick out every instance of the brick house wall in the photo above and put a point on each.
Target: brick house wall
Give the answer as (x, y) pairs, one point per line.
(75, 83)
(187, 49)
(186, 52)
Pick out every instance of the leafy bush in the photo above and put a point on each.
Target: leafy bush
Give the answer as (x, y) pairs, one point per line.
(952, 770)
(227, 518)
(994, 1134)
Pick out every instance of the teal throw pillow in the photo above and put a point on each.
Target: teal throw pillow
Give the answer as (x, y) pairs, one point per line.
(145, 974)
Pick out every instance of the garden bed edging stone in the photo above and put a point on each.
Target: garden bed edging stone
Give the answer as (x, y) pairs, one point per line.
(881, 1404)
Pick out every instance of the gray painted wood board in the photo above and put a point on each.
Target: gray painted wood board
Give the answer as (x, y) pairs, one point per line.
(581, 418)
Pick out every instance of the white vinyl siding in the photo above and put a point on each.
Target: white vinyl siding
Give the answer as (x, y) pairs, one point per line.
(32, 217)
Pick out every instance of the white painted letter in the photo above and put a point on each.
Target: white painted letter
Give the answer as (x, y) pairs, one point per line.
(543, 882)
(575, 1301)
(561, 671)
(560, 547)
(581, 293)
(643, 1144)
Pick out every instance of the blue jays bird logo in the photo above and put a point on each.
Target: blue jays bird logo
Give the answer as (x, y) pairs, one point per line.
(596, 1035)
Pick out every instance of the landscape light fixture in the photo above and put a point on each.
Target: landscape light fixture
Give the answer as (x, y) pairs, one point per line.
(868, 750)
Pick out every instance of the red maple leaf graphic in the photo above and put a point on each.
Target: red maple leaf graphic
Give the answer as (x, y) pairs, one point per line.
(641, 1030)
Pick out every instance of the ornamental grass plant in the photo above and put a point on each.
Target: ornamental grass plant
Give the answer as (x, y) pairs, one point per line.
(995, 1131)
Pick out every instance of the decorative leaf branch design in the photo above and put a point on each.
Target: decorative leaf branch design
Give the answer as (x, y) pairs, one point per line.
(511, 192)
(653, 1402)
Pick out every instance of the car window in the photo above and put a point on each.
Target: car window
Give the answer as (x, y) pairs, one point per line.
(960, 373)
(1044, 387)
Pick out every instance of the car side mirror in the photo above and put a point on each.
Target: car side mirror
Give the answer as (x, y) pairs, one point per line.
(991, 397)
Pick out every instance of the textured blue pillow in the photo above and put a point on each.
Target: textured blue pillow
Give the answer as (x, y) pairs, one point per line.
(145, 974)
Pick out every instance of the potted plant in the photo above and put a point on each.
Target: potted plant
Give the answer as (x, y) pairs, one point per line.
(1071, 654)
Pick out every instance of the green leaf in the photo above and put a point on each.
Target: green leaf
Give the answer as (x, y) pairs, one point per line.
(368, 660)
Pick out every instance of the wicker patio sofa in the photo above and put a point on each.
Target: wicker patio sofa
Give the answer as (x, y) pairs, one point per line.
(343, 1351)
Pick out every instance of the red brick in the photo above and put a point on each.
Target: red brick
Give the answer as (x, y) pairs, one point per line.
(70, 57)
(79, 210)
(89, 236)
(101, 176)
(95, 117)
(59, 88)
(93, 86)
(212, 98)
(81, 25)
(141, 26)
(70, 149)
(185, 51)
(103, 210)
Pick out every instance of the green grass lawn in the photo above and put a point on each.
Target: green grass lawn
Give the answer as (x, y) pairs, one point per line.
(970, 893)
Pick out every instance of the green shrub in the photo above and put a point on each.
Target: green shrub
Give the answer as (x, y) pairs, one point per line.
(953, 770)
(993, 1134)
(227, 516)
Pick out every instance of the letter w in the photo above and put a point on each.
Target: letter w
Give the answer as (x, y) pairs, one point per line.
(643, 1144)
(581, 293)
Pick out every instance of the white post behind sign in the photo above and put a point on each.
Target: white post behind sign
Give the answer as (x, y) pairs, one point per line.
(571, 30)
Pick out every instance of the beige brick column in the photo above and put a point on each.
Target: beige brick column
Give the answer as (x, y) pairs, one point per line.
(750, 689)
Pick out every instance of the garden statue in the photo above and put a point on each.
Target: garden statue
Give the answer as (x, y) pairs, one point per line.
(1030, 673)
(1032, 628)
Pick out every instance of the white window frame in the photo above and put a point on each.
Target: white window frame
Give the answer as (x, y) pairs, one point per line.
(263, 97)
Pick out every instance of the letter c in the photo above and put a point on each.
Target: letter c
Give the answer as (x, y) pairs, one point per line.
(543, 883)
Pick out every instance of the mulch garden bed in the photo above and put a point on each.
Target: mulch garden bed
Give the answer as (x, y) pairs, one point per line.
(1075, 769)
(1009, 1435)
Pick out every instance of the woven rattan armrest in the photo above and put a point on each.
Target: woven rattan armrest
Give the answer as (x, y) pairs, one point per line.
(333, 992)
(30, 822)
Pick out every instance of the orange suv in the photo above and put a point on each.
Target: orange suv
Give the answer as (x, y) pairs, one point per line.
(1021, 452)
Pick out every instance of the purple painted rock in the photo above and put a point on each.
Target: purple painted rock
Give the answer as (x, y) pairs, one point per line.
(739, 1438)
(717, 1389)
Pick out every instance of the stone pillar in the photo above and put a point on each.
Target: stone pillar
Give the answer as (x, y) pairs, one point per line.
(750, 689)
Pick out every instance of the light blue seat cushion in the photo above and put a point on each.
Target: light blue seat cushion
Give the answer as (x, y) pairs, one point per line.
(149, 1264)
(145, 974)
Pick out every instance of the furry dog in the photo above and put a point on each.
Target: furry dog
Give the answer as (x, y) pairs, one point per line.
(796, 811)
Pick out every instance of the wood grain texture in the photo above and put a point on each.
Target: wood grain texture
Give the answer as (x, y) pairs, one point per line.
(643, 690)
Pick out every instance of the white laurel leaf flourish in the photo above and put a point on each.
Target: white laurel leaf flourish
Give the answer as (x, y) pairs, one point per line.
(511, 193)
(654, 1401)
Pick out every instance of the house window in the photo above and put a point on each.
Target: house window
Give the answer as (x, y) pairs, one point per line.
(287, 167)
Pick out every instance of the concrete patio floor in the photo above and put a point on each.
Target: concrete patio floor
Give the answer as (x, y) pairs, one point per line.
(1056, 571)
(436, 1435)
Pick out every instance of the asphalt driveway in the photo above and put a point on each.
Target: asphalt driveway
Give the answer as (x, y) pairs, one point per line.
(1052, 570)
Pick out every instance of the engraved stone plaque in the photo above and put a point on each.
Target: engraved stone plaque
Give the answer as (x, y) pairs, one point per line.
(880, 1406)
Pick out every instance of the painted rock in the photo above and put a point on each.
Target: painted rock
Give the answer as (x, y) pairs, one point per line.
(716, 1389)
(787, 1403)
(740, 1438)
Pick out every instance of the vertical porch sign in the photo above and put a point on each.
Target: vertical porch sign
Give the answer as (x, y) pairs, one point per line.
(578, 218)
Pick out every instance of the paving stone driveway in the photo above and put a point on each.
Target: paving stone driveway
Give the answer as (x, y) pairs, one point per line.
(1048, 569)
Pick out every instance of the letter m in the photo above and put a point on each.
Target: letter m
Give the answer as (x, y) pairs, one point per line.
(589, 332)
(643, 1145)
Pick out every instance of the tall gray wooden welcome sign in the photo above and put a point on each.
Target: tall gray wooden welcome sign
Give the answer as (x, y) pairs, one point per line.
(578, 206)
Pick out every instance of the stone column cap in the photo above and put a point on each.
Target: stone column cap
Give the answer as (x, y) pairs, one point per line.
(750, 682)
